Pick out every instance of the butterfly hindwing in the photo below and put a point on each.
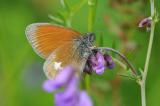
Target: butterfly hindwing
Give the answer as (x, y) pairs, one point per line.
(61, 57)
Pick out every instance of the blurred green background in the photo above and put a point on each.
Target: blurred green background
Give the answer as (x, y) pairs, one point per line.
(116, 21)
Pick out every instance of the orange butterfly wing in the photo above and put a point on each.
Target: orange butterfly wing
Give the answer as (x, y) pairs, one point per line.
(45, 37)
(56, 45)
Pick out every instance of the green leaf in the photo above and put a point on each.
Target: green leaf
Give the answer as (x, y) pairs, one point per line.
(140, 71)
(78, 6)
(61, 15)
(65, 5)
(128, 76)
(56, 19)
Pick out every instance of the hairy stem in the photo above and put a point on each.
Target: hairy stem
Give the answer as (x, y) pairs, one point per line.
(144, 74)
(123, 57)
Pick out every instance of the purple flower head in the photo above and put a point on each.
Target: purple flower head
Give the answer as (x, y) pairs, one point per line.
(49, 86)
(71, 95)
(97, 62)
(61, 80)
(109, 61)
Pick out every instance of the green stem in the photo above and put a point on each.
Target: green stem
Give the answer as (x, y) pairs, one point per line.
(91, 17)
(87, 83)
(69, 21)
(144, 74)
(149, 52)
(120, 63)
(91, 14)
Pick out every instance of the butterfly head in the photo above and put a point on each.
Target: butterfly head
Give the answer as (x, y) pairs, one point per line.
(89, 37)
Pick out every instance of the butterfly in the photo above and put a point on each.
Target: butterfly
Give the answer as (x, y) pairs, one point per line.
(59, 46)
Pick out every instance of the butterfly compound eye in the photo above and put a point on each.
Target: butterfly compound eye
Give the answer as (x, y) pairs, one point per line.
(91, 37)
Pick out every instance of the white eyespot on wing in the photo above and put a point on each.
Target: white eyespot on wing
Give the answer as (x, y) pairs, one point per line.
(57, 65)
(54, 63)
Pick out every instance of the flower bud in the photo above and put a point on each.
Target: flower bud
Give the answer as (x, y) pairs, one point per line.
(146, 22)
(109, 61)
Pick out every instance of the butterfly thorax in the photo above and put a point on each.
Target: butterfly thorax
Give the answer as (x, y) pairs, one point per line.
(84, 45)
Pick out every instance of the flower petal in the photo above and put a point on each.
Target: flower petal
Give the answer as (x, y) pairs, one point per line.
(100, 66)
(64, 75)
(62, 79)
(59, 101)
(146, 22)
(69, 97)
(49, 86)
(100, 69)
(84, 99)
(109, 61)
(71, 89)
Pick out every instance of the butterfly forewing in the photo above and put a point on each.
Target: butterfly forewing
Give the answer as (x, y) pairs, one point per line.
(45, 38)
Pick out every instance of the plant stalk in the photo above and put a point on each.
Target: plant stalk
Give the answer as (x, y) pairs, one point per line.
(123, 57)
(91, 16)
(144, 73)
